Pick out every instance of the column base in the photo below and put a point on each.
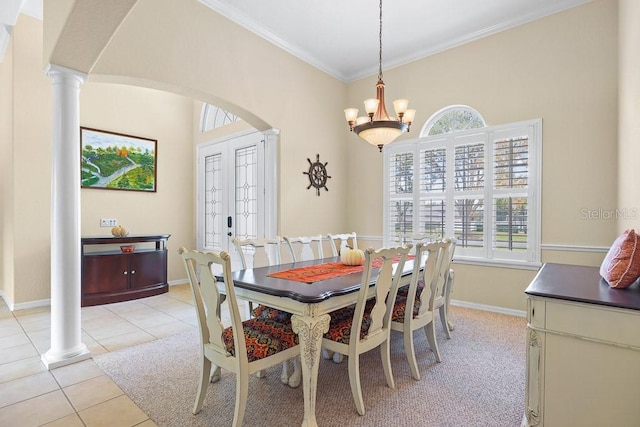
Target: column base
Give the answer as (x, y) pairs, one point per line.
(54, 360)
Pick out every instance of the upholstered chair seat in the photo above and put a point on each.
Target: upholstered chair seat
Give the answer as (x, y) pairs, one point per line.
(263, 337)
(397, 315)
(341, 321)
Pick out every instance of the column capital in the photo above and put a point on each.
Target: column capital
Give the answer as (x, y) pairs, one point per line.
(54, 71)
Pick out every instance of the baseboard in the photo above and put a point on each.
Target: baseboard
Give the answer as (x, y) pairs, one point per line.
(178, 282)
(31, 304)
(6, 300)
(491, 308)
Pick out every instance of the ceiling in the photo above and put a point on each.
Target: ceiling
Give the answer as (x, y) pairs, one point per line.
(340, 37)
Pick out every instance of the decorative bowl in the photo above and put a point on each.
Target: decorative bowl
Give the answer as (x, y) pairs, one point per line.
(127, 248)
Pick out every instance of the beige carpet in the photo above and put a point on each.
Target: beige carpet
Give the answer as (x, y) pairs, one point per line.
(480, 382)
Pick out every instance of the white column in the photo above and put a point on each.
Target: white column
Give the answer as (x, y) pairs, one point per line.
(271, 202)
(66, 344)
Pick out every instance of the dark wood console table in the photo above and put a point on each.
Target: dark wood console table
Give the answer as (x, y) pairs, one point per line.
(110, 275)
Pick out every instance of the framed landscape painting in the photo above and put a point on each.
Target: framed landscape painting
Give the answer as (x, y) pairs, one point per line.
(114, 161)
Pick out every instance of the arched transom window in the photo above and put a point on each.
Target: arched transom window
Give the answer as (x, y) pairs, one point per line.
(214, 117)
(454, 118)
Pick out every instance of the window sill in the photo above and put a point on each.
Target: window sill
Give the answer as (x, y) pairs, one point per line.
(520, 265)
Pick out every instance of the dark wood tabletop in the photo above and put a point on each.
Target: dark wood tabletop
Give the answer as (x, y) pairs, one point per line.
(582, 284)
(257, 279)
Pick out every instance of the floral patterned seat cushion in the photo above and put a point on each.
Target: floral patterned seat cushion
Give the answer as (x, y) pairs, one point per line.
(263, 336)
(271, 313)
(341, 320)
(401, 303)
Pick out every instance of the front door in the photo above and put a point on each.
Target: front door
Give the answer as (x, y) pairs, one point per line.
(231, 189)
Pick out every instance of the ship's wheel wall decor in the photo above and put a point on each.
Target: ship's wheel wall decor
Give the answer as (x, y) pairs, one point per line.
(317, 175)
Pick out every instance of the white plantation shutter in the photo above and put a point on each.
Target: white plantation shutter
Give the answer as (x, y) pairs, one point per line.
(399, 203)
(432, 198)
(480, 186)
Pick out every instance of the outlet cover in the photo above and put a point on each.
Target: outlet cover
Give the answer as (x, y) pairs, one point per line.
(108, 222)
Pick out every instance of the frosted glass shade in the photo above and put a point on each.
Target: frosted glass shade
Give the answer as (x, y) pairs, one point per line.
(380, 135)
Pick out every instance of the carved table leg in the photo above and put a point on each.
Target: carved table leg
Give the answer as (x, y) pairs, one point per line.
(310, 329)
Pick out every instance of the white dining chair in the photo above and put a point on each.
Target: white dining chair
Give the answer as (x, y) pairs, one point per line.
(362, 327)
(265, 252)
(416, 304)
(414, 238)
(239, 352)
(446, 297)
(305, 248)
(344, 240)
(258, 252)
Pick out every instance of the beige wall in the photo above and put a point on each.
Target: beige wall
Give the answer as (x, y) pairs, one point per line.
(150, 114)
(629, 92)
(562, 69)
(32, 164)
(6, 174)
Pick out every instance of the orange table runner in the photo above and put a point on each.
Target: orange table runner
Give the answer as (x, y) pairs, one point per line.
(316, 273)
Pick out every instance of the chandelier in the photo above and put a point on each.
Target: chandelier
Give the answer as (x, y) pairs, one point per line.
(377, 127)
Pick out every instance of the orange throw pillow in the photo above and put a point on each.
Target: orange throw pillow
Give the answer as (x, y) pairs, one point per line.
(621, 266)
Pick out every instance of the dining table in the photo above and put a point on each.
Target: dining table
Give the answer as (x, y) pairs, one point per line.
(310, 291)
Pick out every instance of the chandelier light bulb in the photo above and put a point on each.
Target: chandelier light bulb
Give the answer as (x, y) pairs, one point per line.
(408, 117)
(371, 105)
(400, 106)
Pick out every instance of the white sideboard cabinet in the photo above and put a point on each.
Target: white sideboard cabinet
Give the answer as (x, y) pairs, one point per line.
(583, 350)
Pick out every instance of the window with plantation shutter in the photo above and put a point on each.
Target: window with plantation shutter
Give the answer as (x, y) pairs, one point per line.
(480, 186)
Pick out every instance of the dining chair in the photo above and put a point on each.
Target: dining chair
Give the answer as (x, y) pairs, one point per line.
(305, 248)
(261, 252)
(362, 327)
(266, 252)
(421, 298)
(263, 343)
(414, 238)
(450, 278)
(343, 240)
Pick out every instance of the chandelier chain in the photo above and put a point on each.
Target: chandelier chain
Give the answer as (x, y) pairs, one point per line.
(380, 39)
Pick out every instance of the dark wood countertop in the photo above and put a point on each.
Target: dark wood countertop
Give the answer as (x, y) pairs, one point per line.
(582, 284)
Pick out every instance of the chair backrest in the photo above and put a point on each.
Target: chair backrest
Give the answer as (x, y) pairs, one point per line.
(386, 288)
(435, 274)
(430, 260)
(207, 299)
(305, 248)
(344, 241)
(258, 252)
(415, 238)
(446, 266)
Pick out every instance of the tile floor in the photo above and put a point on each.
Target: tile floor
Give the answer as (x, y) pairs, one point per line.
(81, 394)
